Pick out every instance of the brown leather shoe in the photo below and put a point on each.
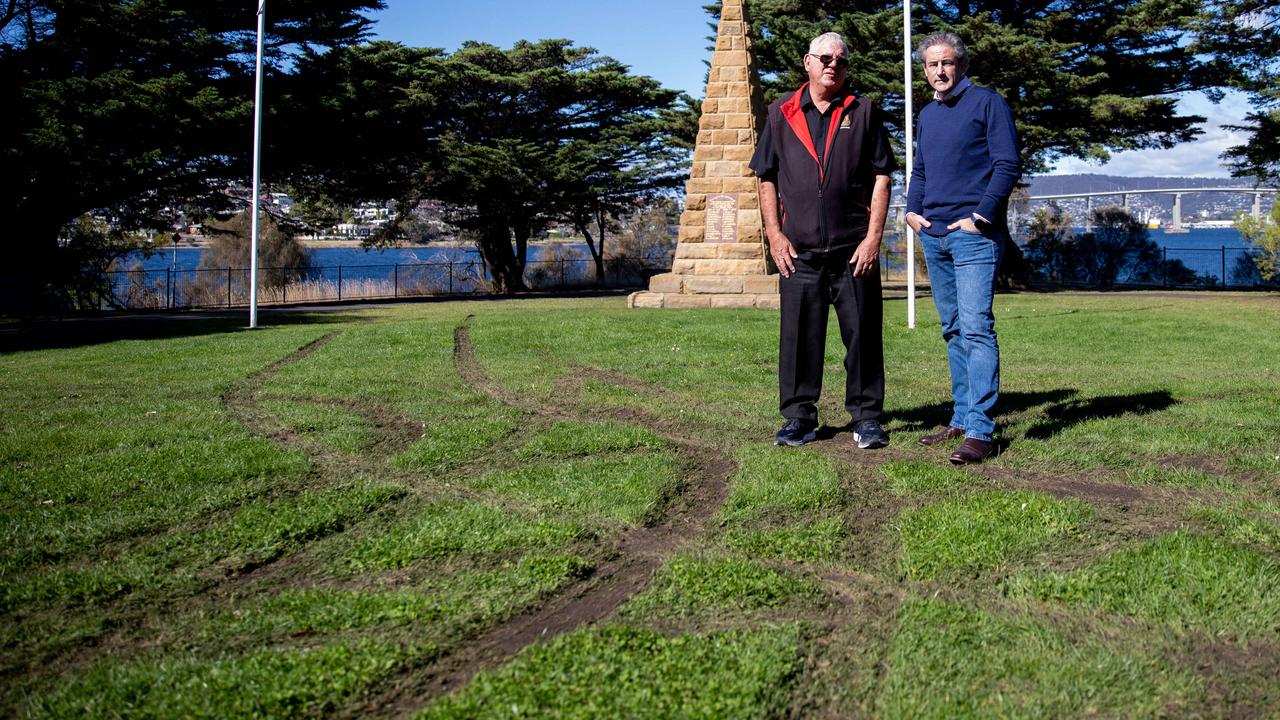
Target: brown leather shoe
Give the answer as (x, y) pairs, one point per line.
(972, 451)
(943, 435)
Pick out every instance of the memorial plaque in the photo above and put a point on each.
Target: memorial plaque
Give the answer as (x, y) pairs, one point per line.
(722, 219)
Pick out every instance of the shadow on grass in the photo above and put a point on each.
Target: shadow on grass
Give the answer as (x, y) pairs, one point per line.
(84, 331)
(934, 415)
(1063, 415)
(1064, 410)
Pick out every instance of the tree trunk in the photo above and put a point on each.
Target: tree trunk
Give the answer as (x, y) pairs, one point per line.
(29, 280)
(597, 251)
(599, 256)
(504, 268)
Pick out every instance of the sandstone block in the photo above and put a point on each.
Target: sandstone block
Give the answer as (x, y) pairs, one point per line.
(717, 89)
(748, 218)
(698, 251)
(644, 299)
(699, 202)
(744, 137)
(746, 201)
(707, 285)
(728, 169)
(711, 152)
(769, 302)
(683, 267)
(736, 185)
(739, 120)
(733, 74)
(733, 301)
(738, 251)
(697, 170)
(726, 137)
(710, 122)
(727, 267)
(693, 217)
(729, 58)
(741, 153)
(731, 12)
(707, 186)
(733, 105)
(760, 284)
(686, 301)
(666, 283)
(691, 234)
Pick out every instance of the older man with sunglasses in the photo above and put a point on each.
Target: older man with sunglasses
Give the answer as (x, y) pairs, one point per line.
(824, 162)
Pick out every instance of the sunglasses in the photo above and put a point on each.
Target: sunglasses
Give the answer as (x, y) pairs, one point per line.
(827, 60)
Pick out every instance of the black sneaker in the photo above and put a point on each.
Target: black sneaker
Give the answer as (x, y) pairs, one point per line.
(868, 434)
(795, 433)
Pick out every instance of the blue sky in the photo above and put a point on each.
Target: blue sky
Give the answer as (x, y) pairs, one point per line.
(667, 40)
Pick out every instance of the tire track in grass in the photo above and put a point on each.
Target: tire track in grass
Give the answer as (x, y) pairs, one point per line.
(629, 569)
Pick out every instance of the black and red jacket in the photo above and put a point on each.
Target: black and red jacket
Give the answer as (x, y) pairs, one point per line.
(827, 207)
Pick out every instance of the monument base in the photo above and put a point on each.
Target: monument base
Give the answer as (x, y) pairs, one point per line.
(648, 299)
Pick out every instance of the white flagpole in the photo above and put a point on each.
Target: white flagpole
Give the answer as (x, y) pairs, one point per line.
(909, 234)
(257, 155)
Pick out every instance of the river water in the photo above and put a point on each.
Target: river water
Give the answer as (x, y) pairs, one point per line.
(1207, 251)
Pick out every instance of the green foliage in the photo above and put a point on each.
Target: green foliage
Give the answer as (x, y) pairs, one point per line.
(1117, 251)
(984, 530)
(1265, 234)
(132, 108)
(1243, 36)
(948, 661)
(546, 132)
(770, 479)
(1183, 579)
(281, 258)
(1082, 78)
(625, 672)
(687, 586)
(449, 528)
(266, 683)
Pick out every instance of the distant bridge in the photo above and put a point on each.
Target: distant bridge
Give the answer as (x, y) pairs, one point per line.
(1175, 227)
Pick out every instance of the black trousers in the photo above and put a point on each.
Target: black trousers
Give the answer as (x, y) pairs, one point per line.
(821, 280)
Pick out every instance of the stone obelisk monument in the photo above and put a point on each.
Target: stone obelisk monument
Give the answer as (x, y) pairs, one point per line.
(720, 257)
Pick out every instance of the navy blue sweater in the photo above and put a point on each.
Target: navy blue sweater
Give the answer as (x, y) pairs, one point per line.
(966, 160)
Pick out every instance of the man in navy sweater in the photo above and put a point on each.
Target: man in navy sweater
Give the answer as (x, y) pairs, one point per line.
(824, 162)
(966, 165)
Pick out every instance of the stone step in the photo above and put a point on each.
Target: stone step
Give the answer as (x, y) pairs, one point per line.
(647, 299)
(714, 284)
(719, 251)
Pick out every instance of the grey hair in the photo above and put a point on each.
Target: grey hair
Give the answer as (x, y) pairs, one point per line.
(944, 38)
(826, 38)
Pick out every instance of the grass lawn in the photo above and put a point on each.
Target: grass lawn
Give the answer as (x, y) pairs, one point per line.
(564, 508)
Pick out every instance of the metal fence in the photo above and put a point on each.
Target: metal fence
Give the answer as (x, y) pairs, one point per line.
(1186, 268)
(1221, 267)
(229, 287)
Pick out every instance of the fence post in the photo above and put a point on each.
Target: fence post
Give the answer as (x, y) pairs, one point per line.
(450, 276)
(395, 283)
(1224, 267)
(168, 289)
(228, 287)
(563, 283)
(1164, 267)
(339, 283)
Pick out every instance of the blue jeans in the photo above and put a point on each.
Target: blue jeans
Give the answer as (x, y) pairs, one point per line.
(962, 274)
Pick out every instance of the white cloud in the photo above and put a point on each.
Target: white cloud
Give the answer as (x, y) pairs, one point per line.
(1193, 159)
